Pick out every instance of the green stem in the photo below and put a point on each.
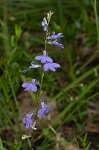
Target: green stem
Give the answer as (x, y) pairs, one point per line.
(46, 34)
(40, 91)
(29, 143)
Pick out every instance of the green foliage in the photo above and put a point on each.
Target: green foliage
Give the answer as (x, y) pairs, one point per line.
(85, 143)
(74, 86)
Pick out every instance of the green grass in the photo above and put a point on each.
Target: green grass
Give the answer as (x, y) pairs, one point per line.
(73, 87)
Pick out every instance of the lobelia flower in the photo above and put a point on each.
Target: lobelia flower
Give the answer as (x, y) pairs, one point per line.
(44, 58)
(44, 24)
(30, 86)
(55, 37)
(51, 66)
(56, 43)
(32, 66)
(27, 120)
(43, 111)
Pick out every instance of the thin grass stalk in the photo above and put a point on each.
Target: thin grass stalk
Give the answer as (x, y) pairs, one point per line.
(61, 18)
(5, 29)
(69, 107)
(15, 99)
(76, 107)
(7, 102)
(97, 20)
(75, 82)
(2, 108)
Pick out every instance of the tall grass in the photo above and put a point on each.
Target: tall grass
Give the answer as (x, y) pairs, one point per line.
(74, 86)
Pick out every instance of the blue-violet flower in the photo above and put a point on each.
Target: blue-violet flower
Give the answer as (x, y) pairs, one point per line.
(51, 66)
(44, 58)
(32, 66)
(43, 111)
(44, 24)
(54, 37)
(56, 43)
(30, 86)
(28, 121)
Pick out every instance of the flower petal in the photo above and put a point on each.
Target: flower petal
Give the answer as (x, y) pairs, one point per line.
(57, 44)
(43, 60)
(31, 85)
(43, 111)
(52, 68)
(28, 121)
(25, 84)
(34, 88)
(56, 65)
(48, 59)
(46, 67)
(38, 57)
(28, 88)
(44, 24)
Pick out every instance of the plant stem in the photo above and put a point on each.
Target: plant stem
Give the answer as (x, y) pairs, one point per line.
(46, 34)
(40, 91)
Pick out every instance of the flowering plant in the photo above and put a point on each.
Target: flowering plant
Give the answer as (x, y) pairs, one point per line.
(46, 63)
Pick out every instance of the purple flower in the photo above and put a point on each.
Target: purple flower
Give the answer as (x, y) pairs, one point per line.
(51, 66)
(56, 43)
(28, 121)
(44, 58)
(43, 111)
(44, 24)
(54, 37)
(32, 66)
(30, 86)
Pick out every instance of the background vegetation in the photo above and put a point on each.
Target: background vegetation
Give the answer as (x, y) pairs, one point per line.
(71, 92)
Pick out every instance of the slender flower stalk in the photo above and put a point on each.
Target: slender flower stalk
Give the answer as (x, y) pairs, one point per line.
(44, 58)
